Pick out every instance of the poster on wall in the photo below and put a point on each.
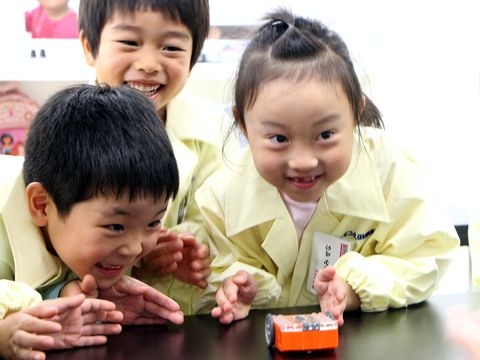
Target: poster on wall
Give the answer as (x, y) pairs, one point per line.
(52, 19)
(16, 112)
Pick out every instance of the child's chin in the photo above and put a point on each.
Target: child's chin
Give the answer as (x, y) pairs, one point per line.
(106, 283)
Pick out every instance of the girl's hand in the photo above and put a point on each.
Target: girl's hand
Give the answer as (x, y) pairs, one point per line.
(334, 294)
(234, 297)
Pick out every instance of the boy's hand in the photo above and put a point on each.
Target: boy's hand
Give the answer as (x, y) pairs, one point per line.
(333, 293)
(21, 333)
(164, 259)
(234, 297)
(182, 256)
(82, 324)
(142, 304)
(57, 324)
(194, 267)
(139, 303)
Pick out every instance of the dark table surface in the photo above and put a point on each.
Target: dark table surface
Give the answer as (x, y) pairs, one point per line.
(416, 332)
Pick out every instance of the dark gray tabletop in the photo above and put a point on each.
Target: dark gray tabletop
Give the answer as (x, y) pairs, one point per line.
(416, 332)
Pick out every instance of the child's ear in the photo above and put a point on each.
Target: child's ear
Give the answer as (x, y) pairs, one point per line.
(239, 122)
(87, 52)
(363, 102)
(38, 200)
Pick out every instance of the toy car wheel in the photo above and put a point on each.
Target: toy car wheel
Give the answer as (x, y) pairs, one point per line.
(269, 330)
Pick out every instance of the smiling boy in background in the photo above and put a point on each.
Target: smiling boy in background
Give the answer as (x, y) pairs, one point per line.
(152, 46)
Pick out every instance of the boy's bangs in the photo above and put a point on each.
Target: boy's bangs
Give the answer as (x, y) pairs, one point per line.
(130, 6)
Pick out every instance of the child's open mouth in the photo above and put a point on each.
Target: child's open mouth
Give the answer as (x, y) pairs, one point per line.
(304, 182)
(112, 270)
(150, 90)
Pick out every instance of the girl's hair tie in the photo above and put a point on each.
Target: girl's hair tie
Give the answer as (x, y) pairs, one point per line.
(279, 26)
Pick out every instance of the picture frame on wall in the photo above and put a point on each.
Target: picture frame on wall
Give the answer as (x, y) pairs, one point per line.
(51, 19)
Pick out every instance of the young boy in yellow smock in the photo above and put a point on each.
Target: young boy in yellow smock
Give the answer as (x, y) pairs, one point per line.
(152, 46)
(85, 205)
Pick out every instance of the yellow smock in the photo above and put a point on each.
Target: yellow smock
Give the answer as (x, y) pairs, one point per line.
(401, 236)
(23, 255)
(196, 128)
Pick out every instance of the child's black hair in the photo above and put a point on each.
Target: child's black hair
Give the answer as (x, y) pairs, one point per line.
(194, 14)
(88, 141)
(293, 47)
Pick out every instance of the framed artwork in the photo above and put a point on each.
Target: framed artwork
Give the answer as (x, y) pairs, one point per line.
(51, 19)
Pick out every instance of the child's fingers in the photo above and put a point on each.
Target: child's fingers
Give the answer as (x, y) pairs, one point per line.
(28, 340)
(223, 299)
(201, 266)
(188, 239)
(202, 284)
(163, 262)
(231, 291)
(202, 274)
(240, 278)
(104, 316)
(65, 303)
(97, 305)
(29, 354)
(216, 312)
(42, 310)
(227, 318)
(202, 251)
(224, 317)
(169, 242)
(100, 328)
(41, 326)
(93, 340)
(89, 286)
(175, 317)
(326, 274)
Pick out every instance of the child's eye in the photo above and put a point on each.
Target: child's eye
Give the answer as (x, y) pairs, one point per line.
(115, 227)
(324, 135)
(279, 139)
(128, 42)
(172, 48)
(155, 224)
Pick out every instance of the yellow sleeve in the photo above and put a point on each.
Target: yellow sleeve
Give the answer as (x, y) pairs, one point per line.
(227, 261)
(16, 296)
(403, 261)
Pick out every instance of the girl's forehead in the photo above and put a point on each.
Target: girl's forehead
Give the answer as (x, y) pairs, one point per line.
(306, 98)
(291, 83)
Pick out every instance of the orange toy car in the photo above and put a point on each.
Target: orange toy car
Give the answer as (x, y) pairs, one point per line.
(303, 332)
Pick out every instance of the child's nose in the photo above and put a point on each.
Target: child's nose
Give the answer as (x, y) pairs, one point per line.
(133, 247)
(148, 61)
(303, 160)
